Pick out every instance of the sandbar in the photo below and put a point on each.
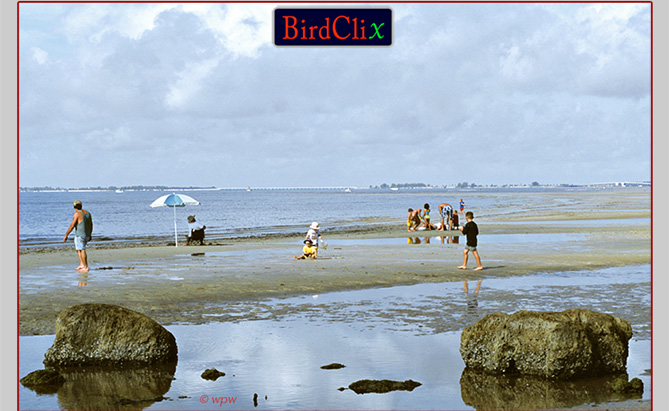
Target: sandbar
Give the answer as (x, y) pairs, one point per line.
(187, 284)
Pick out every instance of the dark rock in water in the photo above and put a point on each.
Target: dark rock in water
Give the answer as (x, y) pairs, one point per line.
(621, 385)
(565, 345)
(382, 386)
(212, 374)
(104, 334)
(130, 401)
(255, 399)
(342, 388)
(45, 381)
(333, 366)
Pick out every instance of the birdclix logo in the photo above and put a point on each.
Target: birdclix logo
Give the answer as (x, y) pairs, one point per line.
(357, 27)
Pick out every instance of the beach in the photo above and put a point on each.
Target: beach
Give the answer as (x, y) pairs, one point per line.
(375, 286)
(181, 284)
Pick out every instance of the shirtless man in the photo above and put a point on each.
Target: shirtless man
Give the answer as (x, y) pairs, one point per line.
(446, 213)
(82, 224)
(413, 220)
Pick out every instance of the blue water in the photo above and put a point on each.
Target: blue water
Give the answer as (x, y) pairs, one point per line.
(45, 216)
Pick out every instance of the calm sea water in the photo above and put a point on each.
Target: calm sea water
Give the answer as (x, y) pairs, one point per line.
(45, 216)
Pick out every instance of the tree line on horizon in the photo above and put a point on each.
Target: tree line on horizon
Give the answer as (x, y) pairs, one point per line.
(113, 188)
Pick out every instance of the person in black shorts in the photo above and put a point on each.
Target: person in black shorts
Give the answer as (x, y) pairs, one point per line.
(471, 230)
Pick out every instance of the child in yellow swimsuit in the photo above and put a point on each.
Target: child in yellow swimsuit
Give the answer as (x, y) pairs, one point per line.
(308, 251)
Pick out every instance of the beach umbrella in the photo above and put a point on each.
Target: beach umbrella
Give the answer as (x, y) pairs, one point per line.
(175, 200)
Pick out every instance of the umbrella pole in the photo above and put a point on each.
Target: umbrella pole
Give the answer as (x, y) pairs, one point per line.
(176, 243)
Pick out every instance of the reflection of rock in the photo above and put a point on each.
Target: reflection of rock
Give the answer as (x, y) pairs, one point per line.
(521, 392)
(96, 388)
(382, 386)
(43, 381)
(212, 374)
(103, 334)
(565, 345)
(333, 366)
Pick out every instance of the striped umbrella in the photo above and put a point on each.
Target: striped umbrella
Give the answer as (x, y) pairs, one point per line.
(175, 200)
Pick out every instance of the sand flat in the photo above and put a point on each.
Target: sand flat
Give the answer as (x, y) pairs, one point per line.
(178, 284)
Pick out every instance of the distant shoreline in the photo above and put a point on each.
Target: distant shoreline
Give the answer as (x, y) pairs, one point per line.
(385, 187)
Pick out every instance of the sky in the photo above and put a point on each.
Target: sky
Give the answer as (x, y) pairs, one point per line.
(120, 94)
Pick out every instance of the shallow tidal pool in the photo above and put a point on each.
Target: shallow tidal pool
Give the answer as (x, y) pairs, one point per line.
(396, 333)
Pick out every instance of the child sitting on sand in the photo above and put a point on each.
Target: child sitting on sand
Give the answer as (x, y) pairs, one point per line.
(308, 251)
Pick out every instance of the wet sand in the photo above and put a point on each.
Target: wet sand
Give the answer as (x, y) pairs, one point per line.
(188, 284)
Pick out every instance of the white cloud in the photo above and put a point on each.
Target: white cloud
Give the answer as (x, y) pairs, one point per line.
(90, 22)
(541, 83)
(241, 28)
(40, 56)
(189, 82)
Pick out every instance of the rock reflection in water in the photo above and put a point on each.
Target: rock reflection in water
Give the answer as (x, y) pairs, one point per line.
(498, 392)
(88, 388)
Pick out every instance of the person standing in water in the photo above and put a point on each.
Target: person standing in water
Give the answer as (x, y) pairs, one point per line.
(82, 224)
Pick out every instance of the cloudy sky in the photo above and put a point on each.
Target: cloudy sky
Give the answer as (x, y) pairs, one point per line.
(197, 94)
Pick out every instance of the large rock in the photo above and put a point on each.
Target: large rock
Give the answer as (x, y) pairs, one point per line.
(103, 334)
(565, 345)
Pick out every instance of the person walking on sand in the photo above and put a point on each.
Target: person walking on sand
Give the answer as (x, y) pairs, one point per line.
(314, 234)
(471, 230)
(82, 224)
(446, 212)
(462, 206)
(413, 220)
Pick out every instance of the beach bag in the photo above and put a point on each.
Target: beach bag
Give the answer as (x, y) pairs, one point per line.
(322, 245)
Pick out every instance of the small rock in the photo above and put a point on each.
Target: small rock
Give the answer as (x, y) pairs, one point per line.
(333, 366)
(382, 386)
(128, 401)
(45, 381)
(212, 374)
(621, 385)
